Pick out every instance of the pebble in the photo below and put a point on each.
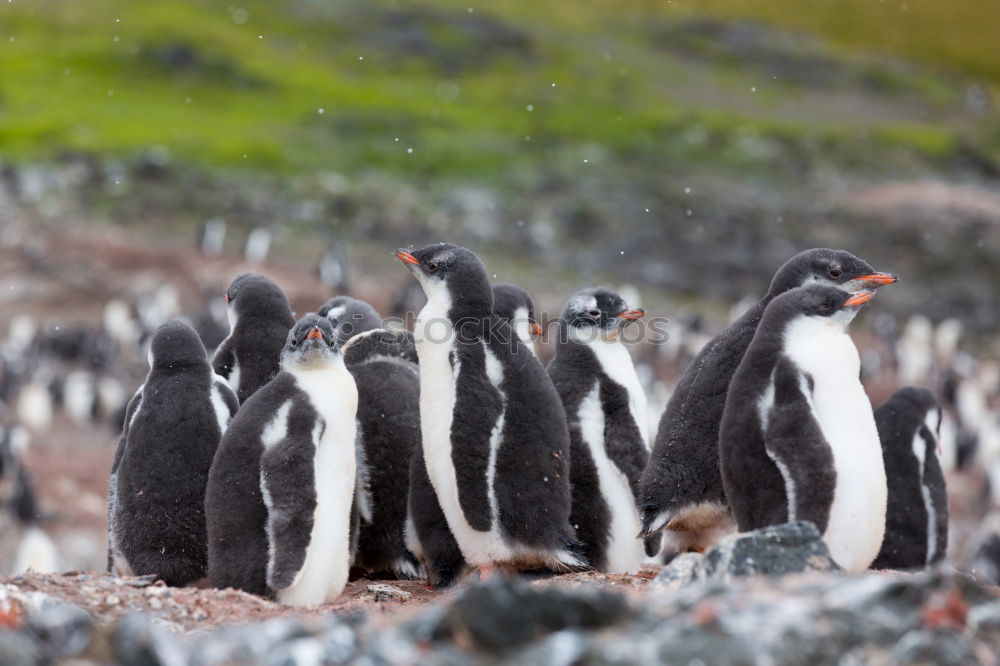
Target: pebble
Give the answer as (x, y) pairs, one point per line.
(384, 592)
(59, 630)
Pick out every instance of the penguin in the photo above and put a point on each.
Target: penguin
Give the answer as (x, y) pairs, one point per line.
(384, 366)
(156, 493)
(279, 503)
(259, 320)
(24, 545)
(334, 270)
(493, 428)
(606, 411)
(428, 534)
(916, 530)
(514, 305)
(798, 439)
(258, 245)
(212, 237)
(349, 317)
(681, 488)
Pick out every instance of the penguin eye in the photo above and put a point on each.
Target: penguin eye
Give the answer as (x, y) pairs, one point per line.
(594, 313)
(432, 266)
(835, 273)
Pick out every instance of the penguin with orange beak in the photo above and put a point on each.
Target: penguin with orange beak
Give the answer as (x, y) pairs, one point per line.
(606, 412)
(280, 499)
(513, 304)
(493, 430)
(681, 488)
(798, 440)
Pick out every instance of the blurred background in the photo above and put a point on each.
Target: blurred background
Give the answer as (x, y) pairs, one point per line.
(679, 151)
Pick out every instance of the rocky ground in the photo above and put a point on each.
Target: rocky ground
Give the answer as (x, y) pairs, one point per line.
(771, 597)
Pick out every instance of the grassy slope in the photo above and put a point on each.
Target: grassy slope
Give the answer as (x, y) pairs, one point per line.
(92, 76)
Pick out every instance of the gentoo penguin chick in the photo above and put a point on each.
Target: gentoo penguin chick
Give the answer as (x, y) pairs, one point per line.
(156, 495)
(681, 488)
(349, 317)
(428, 534)
(259, 320)
(513, 304)
(916, 525)
(384, 366)
(280, 494)
(606, 409)
(493, 428)
(798, 439)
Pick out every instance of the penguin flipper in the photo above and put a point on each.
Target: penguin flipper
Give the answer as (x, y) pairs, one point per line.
(133, 406)
(287, 485)
(224, 359)
(794, 441)
(471, 455)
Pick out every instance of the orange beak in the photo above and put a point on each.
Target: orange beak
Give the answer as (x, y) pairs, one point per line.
(860, 298)
(315, 334)
(225, 296)
(878, 279)
(632, 315)
(536, 328)
(406, 257)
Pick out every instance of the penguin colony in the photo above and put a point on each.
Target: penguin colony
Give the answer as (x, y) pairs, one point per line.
(331, 443)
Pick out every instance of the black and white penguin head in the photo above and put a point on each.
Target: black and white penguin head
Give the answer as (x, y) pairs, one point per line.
(453, 278)
(349, 317)
(381, 344)
(920, 405)
(311, 345)
(820, 303)
(597, 312)
(514, 305)
(255, 295)
(176, 345)
(834, 268)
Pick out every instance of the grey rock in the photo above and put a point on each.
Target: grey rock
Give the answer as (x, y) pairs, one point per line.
(984, 622)
(140, 642)
(59, 630)
(246, 644)
(385, 592)
(771, 551)
(502, 614)
(17, 650)
(933, 648)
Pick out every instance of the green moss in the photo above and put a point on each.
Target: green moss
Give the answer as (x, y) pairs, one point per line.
(298, 85)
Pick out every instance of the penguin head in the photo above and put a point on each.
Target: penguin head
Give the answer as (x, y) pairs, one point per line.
(311, 344)
(598, 311)
(380, 342)
(821, 302)
(834, 268)
(349, 317)
(176, 345)
(452, 276)
(255, 294)
(513, 304)
(921, 406)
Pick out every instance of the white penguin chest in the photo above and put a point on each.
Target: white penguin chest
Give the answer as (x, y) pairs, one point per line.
(624, 552)
(844, 414)
(333, 394)
(616, 363)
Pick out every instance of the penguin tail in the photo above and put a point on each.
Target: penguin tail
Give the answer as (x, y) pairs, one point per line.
(654, 520)
(407, 567)
(570, 557)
